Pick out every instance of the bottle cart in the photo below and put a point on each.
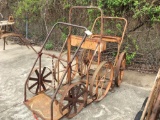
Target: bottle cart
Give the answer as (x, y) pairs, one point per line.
(76, 81)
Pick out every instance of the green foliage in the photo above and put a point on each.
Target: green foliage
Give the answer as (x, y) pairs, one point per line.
(29, 8)
(131, 55)
(48, 46)
(138, 8)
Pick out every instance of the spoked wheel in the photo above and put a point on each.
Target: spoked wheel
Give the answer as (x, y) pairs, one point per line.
(60, 67)
(33, 83)
(101, 81)
(84, 57)
(73, 99)
(120, 67)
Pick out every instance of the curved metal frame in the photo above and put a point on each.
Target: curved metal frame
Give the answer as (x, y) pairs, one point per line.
(59, 58)
(123, 33)
(69, 60)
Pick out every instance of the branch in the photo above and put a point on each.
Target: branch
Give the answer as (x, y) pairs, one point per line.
(138, 26)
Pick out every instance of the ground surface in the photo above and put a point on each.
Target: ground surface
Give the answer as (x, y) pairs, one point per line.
(16, 62)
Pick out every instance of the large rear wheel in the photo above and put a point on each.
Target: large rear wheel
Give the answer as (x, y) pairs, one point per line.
(101, 81)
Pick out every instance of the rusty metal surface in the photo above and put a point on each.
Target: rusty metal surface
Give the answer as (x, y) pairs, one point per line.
(120, 67)
(74, 99)
(40, 105)
(74, 95)
(102, 78)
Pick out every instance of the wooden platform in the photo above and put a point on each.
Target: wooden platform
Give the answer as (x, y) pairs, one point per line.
(89, 43)
(41, 105)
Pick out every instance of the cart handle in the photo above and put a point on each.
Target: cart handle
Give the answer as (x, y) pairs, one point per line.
(87, 32)
(63, 23)
(119, 18)
(40, 52)
(86, 7)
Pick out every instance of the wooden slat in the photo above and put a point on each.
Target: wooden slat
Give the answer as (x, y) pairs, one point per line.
(108, 38)
(6, 22)
(88, 44)
(4, 35)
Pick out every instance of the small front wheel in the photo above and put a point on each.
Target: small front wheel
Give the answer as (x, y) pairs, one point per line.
(34, 84)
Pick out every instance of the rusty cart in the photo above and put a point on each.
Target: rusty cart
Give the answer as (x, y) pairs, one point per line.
(76, 77)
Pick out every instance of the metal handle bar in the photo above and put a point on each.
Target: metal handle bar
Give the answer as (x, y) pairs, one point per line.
(119, 18)
(86, 7)
(40, 52)
(63, 23)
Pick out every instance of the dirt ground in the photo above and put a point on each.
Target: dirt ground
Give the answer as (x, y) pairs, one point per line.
(15, 64)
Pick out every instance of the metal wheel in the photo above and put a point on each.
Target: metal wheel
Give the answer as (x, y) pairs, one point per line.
(120, 67)
(33, 83)
(73, 99)
(60, 67)
(101, 81)
(84, 57)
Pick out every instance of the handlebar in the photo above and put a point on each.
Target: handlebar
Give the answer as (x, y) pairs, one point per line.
(66, 24)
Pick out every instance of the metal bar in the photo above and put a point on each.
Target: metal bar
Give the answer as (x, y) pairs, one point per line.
(63, 23)
(40, 77)
(69, 59)
(4, 40)
(123, 33)
(86, 7)
(25, 86)
(53, 56)
(65, 74)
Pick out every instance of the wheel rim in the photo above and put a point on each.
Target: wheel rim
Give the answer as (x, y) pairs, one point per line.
(46, 76)
(62, 67)
(83, 61)
(121, 64)
(101, 81)
(73, 99)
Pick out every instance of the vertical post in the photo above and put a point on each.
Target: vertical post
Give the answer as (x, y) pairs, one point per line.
(40, 76)
(4, 39)
(69, 59)
(26, 25)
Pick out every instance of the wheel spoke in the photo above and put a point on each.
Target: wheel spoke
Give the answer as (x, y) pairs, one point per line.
(66, 106)
(37, 73)
(43, 70)
(75, 108)
(47, 81)
(43, 86)
(33, 79)
(70, 109)
(62, 64)
(72, 92)
(33, 85)
(37, 88)
(47, 75)
(80, 101)
(79, 87)
(81, 93)
(68, 99)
